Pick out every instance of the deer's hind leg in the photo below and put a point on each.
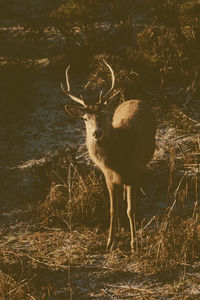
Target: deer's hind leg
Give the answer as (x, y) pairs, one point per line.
(133, 209)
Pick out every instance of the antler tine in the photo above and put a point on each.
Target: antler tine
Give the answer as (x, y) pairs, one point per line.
(100, 97)
(67, 78)
(113, 78)
(67, 81)
(68, 89)
(62, 88)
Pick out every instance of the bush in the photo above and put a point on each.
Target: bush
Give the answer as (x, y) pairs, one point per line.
(91, 27)
(76, 195)
(163, 52)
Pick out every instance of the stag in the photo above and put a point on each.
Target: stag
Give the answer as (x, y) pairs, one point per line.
(121, 148)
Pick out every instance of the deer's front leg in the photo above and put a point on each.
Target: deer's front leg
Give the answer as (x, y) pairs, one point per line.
(114, 192)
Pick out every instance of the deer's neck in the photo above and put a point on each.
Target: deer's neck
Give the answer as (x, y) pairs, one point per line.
(101, 152)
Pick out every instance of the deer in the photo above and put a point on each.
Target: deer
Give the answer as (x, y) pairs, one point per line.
(120, 148)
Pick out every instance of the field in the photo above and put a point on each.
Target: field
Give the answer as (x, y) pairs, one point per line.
(54, 204)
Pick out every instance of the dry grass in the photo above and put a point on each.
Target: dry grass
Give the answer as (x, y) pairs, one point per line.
(56, 249)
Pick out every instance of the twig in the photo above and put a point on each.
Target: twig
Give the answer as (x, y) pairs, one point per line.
(127, 287)
(181, 149)
(143, 192)
(191, 165)
(44, 263)
(18, 287)
(141, 230)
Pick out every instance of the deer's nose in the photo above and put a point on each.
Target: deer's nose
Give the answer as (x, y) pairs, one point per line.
(97, 134)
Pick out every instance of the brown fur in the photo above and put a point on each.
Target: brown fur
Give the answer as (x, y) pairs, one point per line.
(121, 149)
(127, 145)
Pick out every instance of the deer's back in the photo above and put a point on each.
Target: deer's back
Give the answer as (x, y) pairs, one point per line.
(133, 112)
(134, 126)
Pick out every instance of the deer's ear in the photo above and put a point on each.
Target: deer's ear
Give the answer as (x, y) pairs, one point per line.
(75, 111)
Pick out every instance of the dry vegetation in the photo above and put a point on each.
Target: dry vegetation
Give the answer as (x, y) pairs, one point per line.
(52, 245)
(56, 248)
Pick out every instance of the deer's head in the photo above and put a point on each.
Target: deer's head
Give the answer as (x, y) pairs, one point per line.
(95, 116)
